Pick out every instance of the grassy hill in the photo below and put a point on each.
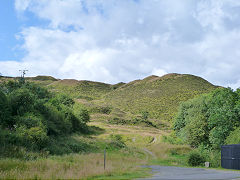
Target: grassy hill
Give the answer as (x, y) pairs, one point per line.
(160, 96)
(88, 90)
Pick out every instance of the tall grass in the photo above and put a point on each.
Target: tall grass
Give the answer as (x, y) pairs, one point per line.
(73, 166)
(169, 154)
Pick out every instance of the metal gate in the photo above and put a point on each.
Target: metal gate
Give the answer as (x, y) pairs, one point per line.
(230, 156)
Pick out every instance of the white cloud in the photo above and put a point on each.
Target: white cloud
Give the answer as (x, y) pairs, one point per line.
(123, 40)
(159, 72)
(22, 5)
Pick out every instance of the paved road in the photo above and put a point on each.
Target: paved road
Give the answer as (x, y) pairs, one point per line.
(180, 173)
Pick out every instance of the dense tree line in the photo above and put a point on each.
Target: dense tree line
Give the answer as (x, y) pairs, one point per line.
(210, 120)
(32, 117)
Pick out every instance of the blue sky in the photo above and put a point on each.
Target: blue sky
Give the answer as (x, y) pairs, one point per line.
(11, 24)
(121, 40)
(9, 27)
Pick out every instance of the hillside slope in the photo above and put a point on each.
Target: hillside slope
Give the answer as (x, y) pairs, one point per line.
(81, 89)
(160, 96)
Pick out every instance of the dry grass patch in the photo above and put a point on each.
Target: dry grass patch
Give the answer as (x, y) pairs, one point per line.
(72, 166)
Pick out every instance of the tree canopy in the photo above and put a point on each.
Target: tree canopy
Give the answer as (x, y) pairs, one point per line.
(208, 119)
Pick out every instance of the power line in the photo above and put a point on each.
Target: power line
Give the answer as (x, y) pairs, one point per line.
(23, 72)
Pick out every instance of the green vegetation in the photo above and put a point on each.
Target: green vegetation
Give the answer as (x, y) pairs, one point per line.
(170, 155)
(44, 78)
(159, 96)
(141, 120)
(76, 166)
(33, 119)
(125, 103)
(53, 128)
(209, 121)
(195, 159)
(233, 137)
(81, 89)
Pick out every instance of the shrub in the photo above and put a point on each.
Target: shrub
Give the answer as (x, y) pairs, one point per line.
(55, 120)
(10, 86)
(34, 137)
(21, 101)
(195, 159)
(77, 125)
(65, 145)
(83, 115)
(5, 115)
(62, 99)
(105, 109)
(234, 137)
(101, 109)
(145, 115)
(80, 118)
(116, 120)
(215, 159)
(142, 121)
(39, 92)
(29, 120)
(116, 142)
(33, 119)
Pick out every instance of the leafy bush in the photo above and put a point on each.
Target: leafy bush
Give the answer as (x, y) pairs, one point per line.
(5, 113)
(195, 159)
(33, 138)
(83, 115)
(65, 145)
(29, 120)
(32, 117)
(56, 122)
(116, 142)
(145, 115)
(21, 101)
(234, 137)
(8, 87)
(62, 99)
(212, 156)
(142, 121)
(39, 92)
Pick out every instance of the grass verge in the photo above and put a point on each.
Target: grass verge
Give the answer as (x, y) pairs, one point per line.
(77, 166)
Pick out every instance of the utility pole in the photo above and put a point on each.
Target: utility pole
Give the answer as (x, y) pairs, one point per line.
(23, 72)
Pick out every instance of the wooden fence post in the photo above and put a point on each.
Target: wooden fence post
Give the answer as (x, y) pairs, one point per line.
(104, 158)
